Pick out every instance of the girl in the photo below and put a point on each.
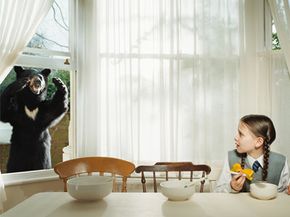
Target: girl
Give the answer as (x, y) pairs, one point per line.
(255, 135)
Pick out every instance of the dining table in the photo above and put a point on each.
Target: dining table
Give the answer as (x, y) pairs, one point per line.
(133, 204)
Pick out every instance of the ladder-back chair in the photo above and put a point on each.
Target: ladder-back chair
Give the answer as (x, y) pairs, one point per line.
(166, 167)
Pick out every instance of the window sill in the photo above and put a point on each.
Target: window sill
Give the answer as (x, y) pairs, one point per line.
(28, 177)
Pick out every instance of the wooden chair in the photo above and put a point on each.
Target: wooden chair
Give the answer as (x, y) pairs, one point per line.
(100, 165)
(166, 167)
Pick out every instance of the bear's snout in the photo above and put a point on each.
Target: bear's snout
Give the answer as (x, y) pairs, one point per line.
(37, 84)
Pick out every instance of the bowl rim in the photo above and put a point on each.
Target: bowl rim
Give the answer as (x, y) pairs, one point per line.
(178, 193)
(184, 182)
(263, 182)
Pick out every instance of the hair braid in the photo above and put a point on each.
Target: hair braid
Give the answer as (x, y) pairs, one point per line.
(266, 161)
(243, 161)
(262, 126)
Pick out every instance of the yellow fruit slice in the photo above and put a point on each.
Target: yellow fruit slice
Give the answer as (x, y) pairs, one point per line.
(236, 167)
(248, 172)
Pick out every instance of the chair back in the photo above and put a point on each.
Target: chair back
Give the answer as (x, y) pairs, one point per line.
(167, 167)
(89, 165)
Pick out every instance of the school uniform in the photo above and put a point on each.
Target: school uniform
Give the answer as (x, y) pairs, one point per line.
(278, 171)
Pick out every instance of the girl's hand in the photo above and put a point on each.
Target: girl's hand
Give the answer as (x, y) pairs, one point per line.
(238, 181)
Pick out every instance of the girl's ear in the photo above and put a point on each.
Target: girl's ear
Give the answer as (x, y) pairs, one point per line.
(260, 142)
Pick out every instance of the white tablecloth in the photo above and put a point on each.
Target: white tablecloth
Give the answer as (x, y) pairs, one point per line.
(60, 204)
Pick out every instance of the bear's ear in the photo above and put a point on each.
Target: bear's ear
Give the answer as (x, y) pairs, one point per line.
(18, 70)
(45, 72)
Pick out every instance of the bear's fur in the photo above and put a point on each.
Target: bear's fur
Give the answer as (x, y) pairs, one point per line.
(25, 107)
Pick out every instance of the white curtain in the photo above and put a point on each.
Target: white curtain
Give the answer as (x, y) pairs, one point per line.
(279, 64)
(157, 80)
(281, 14)
(280, 101)
(18, 22)
(254, 75)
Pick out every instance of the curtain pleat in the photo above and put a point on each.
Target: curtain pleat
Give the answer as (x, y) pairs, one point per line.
(159, 80)
(18, 22)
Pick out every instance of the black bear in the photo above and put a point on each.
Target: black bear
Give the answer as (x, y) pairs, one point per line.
(25, 107)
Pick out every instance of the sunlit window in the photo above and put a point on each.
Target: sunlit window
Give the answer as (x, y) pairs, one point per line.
(53, 33)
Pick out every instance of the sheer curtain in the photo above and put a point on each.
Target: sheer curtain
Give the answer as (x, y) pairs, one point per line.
(157, 80)
(279, 60)
(280, 101)
(273, 67)
(255, 72)
(281, 14)
(18, 22)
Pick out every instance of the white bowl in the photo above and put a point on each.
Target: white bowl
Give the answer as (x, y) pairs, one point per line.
(177, 190)
(90, 187)
(263, 190)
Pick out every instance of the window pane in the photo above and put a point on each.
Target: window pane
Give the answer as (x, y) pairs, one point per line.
(53, 32)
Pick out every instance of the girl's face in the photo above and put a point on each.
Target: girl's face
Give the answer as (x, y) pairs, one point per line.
(247, 142)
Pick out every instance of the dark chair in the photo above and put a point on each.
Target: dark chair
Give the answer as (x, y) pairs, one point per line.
(166, 167)
(89, 165)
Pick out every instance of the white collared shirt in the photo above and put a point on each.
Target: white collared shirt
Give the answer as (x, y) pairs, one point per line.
(251, 160)
(223, 183)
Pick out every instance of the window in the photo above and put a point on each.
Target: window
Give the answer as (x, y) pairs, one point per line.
(165, 69)
(49, 48)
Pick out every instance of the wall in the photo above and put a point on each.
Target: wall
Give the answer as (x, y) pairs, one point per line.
(17, 193)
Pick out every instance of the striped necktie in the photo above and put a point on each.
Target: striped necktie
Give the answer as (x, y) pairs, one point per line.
(256, 166)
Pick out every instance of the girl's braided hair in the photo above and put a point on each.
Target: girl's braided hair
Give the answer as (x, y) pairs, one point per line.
(260, 126)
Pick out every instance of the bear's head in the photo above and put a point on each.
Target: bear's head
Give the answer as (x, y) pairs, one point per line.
(36, 89)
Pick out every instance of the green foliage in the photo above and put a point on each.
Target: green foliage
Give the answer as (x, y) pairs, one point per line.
(275, 42)
(63, 75)
(11, 77)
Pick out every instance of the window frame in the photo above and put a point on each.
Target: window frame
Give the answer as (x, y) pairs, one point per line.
(31, 176)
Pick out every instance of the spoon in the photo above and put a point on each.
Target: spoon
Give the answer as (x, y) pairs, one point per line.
(191, 184)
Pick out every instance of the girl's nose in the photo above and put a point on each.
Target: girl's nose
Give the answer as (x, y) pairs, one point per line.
(236, 138)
